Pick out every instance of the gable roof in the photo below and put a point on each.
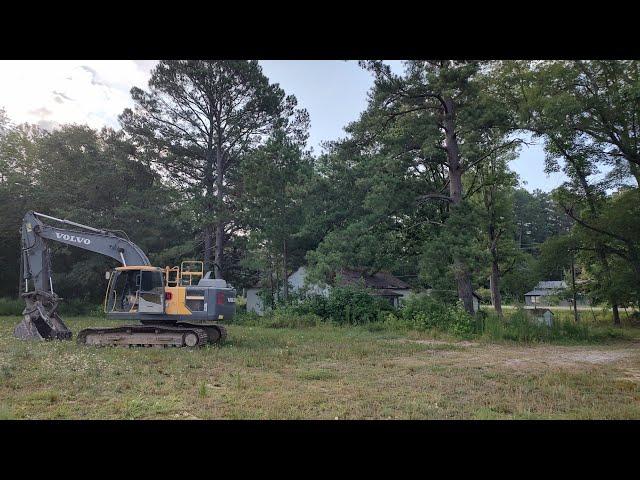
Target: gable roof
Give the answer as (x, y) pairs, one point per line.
(551, 284)
(537, 293)
(379, 280)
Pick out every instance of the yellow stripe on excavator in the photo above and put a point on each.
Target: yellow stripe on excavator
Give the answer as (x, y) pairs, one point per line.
(177, 304)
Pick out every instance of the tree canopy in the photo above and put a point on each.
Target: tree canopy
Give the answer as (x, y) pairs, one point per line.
(212, 163)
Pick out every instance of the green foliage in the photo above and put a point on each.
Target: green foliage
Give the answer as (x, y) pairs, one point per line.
(273, 207)
(350, 305)
(88, 176)
(426, 312)
(520, 327)
(174, 125)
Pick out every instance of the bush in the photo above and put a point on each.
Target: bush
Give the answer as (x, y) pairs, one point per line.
(426, 312)
(345, 305)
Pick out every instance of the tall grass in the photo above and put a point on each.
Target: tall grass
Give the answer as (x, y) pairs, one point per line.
(520, 327)
(11, 306)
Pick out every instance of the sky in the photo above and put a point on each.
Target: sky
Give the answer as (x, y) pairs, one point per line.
(94, 92)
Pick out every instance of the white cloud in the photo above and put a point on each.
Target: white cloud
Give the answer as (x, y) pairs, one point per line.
(55, 92)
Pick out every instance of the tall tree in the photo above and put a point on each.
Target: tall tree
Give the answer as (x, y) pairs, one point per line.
(196, 122)
(495, 194)
(462, 110)
(587, 114)
(273, 199)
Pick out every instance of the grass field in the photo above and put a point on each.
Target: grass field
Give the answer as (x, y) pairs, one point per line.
(321, 372)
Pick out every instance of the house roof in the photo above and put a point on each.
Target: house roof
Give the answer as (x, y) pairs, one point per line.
(383, 292)
(538, 293)
(379, 280)
(551, 284)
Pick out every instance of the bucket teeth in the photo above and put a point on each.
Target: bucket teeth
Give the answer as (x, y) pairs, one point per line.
(41, 322)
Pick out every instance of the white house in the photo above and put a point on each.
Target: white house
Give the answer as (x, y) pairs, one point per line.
(382, 284)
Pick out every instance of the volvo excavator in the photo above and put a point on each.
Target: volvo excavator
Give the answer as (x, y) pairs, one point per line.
(175, 306)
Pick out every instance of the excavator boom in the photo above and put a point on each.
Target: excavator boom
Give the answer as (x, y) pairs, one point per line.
(41, 320)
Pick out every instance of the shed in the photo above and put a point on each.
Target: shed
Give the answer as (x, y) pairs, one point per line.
(543, 316)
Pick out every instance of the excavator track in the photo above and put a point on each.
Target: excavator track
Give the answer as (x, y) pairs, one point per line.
(217, 334)
(144, 336)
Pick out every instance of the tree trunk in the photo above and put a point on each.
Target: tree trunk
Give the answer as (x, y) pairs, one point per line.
(219, 247)
(208, 244)
(494, 283)
(601, 255)
(285, 277)
(573, 287)
(616, 316)
(461, 272)
(219, 213)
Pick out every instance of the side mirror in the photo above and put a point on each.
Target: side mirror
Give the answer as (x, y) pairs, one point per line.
(107, 275)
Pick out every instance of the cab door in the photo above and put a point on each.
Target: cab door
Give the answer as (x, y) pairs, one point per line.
(151, 292)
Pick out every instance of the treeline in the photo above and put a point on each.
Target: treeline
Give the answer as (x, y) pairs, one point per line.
(212, 163)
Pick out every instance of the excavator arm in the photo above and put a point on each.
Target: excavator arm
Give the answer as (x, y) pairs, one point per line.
(41, 320)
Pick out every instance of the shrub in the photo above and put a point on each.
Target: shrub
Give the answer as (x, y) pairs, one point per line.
(426, 312)
(345, 305)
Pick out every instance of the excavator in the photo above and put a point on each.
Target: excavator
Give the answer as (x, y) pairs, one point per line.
(175, 306)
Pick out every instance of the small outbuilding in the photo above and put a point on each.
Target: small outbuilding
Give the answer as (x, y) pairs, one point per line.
(542, 316)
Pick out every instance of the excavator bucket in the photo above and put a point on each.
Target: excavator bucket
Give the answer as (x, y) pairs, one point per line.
(41, 321)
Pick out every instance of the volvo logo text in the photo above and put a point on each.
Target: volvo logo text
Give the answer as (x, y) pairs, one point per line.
(72, 238)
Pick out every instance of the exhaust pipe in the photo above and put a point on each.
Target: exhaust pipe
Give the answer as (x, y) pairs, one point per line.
(41, 321)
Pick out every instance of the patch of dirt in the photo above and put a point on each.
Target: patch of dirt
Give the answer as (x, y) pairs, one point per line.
(544, 356)
(526, 357)
(463, 343)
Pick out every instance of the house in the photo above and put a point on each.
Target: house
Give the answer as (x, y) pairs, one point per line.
(382, 284)
(544, 291)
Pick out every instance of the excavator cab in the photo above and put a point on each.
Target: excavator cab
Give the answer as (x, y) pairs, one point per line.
(135, 289)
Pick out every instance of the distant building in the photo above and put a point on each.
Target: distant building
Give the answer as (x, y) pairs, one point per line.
(382, 284)
(544, 291)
